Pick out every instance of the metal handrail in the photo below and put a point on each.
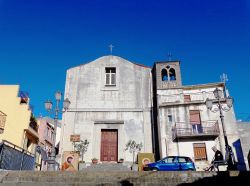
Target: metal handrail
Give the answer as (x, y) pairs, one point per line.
(185, 129)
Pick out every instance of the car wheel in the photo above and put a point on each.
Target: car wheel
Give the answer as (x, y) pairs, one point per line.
(154, 169)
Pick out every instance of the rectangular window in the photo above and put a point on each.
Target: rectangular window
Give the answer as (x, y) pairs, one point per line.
(52, 135)
(195, 117)
(48, 132)
(200, 153)
(170, 118)
(2, 122)
(110, 75)
(187, 98)
(195, 121)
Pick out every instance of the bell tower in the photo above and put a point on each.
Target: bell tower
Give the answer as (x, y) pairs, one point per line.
(168, 74)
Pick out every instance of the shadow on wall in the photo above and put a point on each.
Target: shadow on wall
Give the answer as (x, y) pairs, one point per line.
(223, 178)
(240, 156)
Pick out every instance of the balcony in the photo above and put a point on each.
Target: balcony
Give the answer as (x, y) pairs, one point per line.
(32, 130)
(32, 135)
(185, 131)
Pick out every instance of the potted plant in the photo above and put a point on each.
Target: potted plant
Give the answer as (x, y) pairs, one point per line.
(94, 161)
(82, 148)
(133, 147)
(121, 160)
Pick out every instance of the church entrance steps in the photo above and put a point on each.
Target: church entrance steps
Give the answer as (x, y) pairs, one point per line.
(110, 178)
(108, 167)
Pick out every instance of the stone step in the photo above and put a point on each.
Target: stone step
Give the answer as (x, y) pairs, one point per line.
(108, 167)
(116, 178)
(125, 183)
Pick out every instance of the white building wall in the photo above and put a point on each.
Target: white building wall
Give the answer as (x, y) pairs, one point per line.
(171, 102)
(95, 106)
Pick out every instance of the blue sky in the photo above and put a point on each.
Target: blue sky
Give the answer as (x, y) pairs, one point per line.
(40, 40)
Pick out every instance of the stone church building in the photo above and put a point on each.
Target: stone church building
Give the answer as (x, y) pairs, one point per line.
(114, 101)
(111, 102)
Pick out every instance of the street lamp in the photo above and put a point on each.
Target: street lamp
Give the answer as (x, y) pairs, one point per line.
(216, 105)
(48, 106)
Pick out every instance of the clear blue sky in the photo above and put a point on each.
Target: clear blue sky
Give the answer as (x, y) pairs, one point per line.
(39, 40)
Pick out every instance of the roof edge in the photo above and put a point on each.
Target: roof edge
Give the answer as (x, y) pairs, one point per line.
(207, 85)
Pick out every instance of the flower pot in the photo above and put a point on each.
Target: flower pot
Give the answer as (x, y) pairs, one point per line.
(134, 167)
(120, 160)
(94, 161)
(82, 165)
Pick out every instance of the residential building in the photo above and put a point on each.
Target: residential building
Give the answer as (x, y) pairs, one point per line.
(17, 123)
(182, 123)
(46, 136)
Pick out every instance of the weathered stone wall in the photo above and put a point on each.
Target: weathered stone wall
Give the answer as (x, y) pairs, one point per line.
(94, 106)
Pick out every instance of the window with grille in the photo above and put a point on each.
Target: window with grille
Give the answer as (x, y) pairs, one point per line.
(200, 153)
(110, 76)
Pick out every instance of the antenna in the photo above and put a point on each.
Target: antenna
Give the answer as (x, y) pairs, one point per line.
(224, 78)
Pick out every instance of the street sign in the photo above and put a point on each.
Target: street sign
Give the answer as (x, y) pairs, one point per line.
(75, 138)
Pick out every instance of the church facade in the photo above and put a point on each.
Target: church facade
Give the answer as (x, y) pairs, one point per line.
(114, 101)
(110, 105)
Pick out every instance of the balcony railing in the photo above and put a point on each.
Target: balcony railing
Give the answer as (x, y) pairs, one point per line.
(208, 129)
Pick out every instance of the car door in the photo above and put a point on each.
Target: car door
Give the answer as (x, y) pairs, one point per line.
(182, 163)
(169, 164)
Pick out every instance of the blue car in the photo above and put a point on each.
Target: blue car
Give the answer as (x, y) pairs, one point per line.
(171, 163)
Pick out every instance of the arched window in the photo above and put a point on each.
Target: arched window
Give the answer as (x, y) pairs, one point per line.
(172, 74)
(164, 75)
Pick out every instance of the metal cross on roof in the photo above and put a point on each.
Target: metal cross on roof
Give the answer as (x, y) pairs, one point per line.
(111, 48)
(169, 56)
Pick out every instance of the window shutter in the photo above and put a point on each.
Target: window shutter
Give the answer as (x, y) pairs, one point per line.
(187, 98)
(195, 117)
(200, 151)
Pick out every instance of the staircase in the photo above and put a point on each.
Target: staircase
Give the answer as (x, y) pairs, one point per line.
(121, 178)
(108, 167)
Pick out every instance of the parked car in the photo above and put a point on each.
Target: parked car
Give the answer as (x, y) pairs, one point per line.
(171, 163)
